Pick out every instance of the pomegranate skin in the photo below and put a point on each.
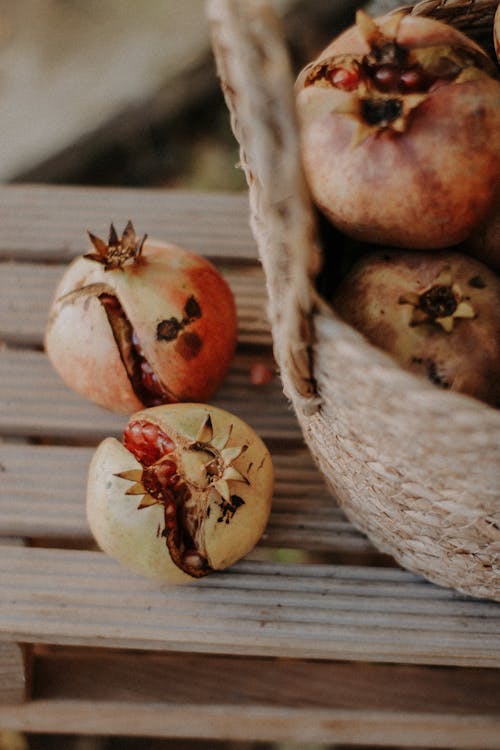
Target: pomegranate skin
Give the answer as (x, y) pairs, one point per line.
(427, 185)
(182, 314)
(484, 243)
(437, 314)
(135, 533)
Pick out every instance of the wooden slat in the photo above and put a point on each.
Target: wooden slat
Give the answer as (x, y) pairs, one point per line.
(88, 681)
(314, 611)
(35, 402)
(42, 495)
(258, 723)
(49, 223)
(23, 322)
(12, 674)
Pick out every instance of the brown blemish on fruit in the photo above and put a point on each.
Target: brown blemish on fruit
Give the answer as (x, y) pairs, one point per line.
(476, 282)
(431, 370)
(169, 329)
(229, 507)
(192, 309)
(188, 345)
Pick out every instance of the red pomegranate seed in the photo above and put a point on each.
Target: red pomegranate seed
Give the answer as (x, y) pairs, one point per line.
(150, 379)
(386, 77)
(412, 79)
(193, 559)
(344, 79)
(165, 471)
(147, 442)
(160, 478)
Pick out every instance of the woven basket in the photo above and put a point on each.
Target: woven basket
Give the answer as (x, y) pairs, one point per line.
(414, 467)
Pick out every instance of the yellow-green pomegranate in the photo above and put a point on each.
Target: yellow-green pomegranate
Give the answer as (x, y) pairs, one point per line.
(187, 492)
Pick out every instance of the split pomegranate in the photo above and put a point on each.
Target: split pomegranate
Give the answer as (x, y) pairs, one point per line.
(187, 492)
(437, 314)
(400, 132)
(138, 322)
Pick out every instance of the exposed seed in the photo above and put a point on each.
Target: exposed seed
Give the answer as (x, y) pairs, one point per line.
(193, 559)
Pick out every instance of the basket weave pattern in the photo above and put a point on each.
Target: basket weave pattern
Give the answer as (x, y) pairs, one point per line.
(416, 468)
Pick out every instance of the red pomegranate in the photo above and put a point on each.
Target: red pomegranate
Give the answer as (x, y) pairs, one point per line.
(400, 132)
(140, 322)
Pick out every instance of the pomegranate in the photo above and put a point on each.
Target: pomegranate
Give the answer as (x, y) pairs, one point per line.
(484, 243)
(400, 132)
(187, 492)
(139, 322)
(437, 314)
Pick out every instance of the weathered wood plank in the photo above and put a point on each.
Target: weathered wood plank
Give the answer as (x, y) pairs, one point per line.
(49, 223)
(42, 496)
(84, 683)
(257, 723)
(12, 674)
(34, 402)
(299, 611)
(26, 291)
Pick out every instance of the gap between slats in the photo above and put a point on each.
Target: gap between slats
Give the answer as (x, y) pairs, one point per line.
(144, 680)
(92, 674)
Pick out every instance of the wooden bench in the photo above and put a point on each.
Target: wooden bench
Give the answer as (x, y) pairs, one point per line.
(315, 637)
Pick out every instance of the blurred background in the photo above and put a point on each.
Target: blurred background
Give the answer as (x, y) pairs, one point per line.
(124, 93)
(119, 92)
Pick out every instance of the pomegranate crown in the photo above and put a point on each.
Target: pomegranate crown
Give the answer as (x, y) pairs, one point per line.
(116, 251)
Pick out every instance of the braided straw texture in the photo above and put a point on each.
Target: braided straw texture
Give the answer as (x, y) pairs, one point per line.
(416, 468)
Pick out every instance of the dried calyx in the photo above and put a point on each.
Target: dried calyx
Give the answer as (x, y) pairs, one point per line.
(440, 304)
(184, 477)
(117, 251)
(392, 80)
(436, 313)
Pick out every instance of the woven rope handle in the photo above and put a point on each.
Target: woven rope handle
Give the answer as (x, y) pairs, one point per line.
(257, 82)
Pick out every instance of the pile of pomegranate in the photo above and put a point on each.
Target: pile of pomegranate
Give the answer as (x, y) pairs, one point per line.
(400, 137)
(139, 323)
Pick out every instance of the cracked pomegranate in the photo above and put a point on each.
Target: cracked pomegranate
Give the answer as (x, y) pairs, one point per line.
(400, 132)
(139, 323)
(187, 492)
(437, 314)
